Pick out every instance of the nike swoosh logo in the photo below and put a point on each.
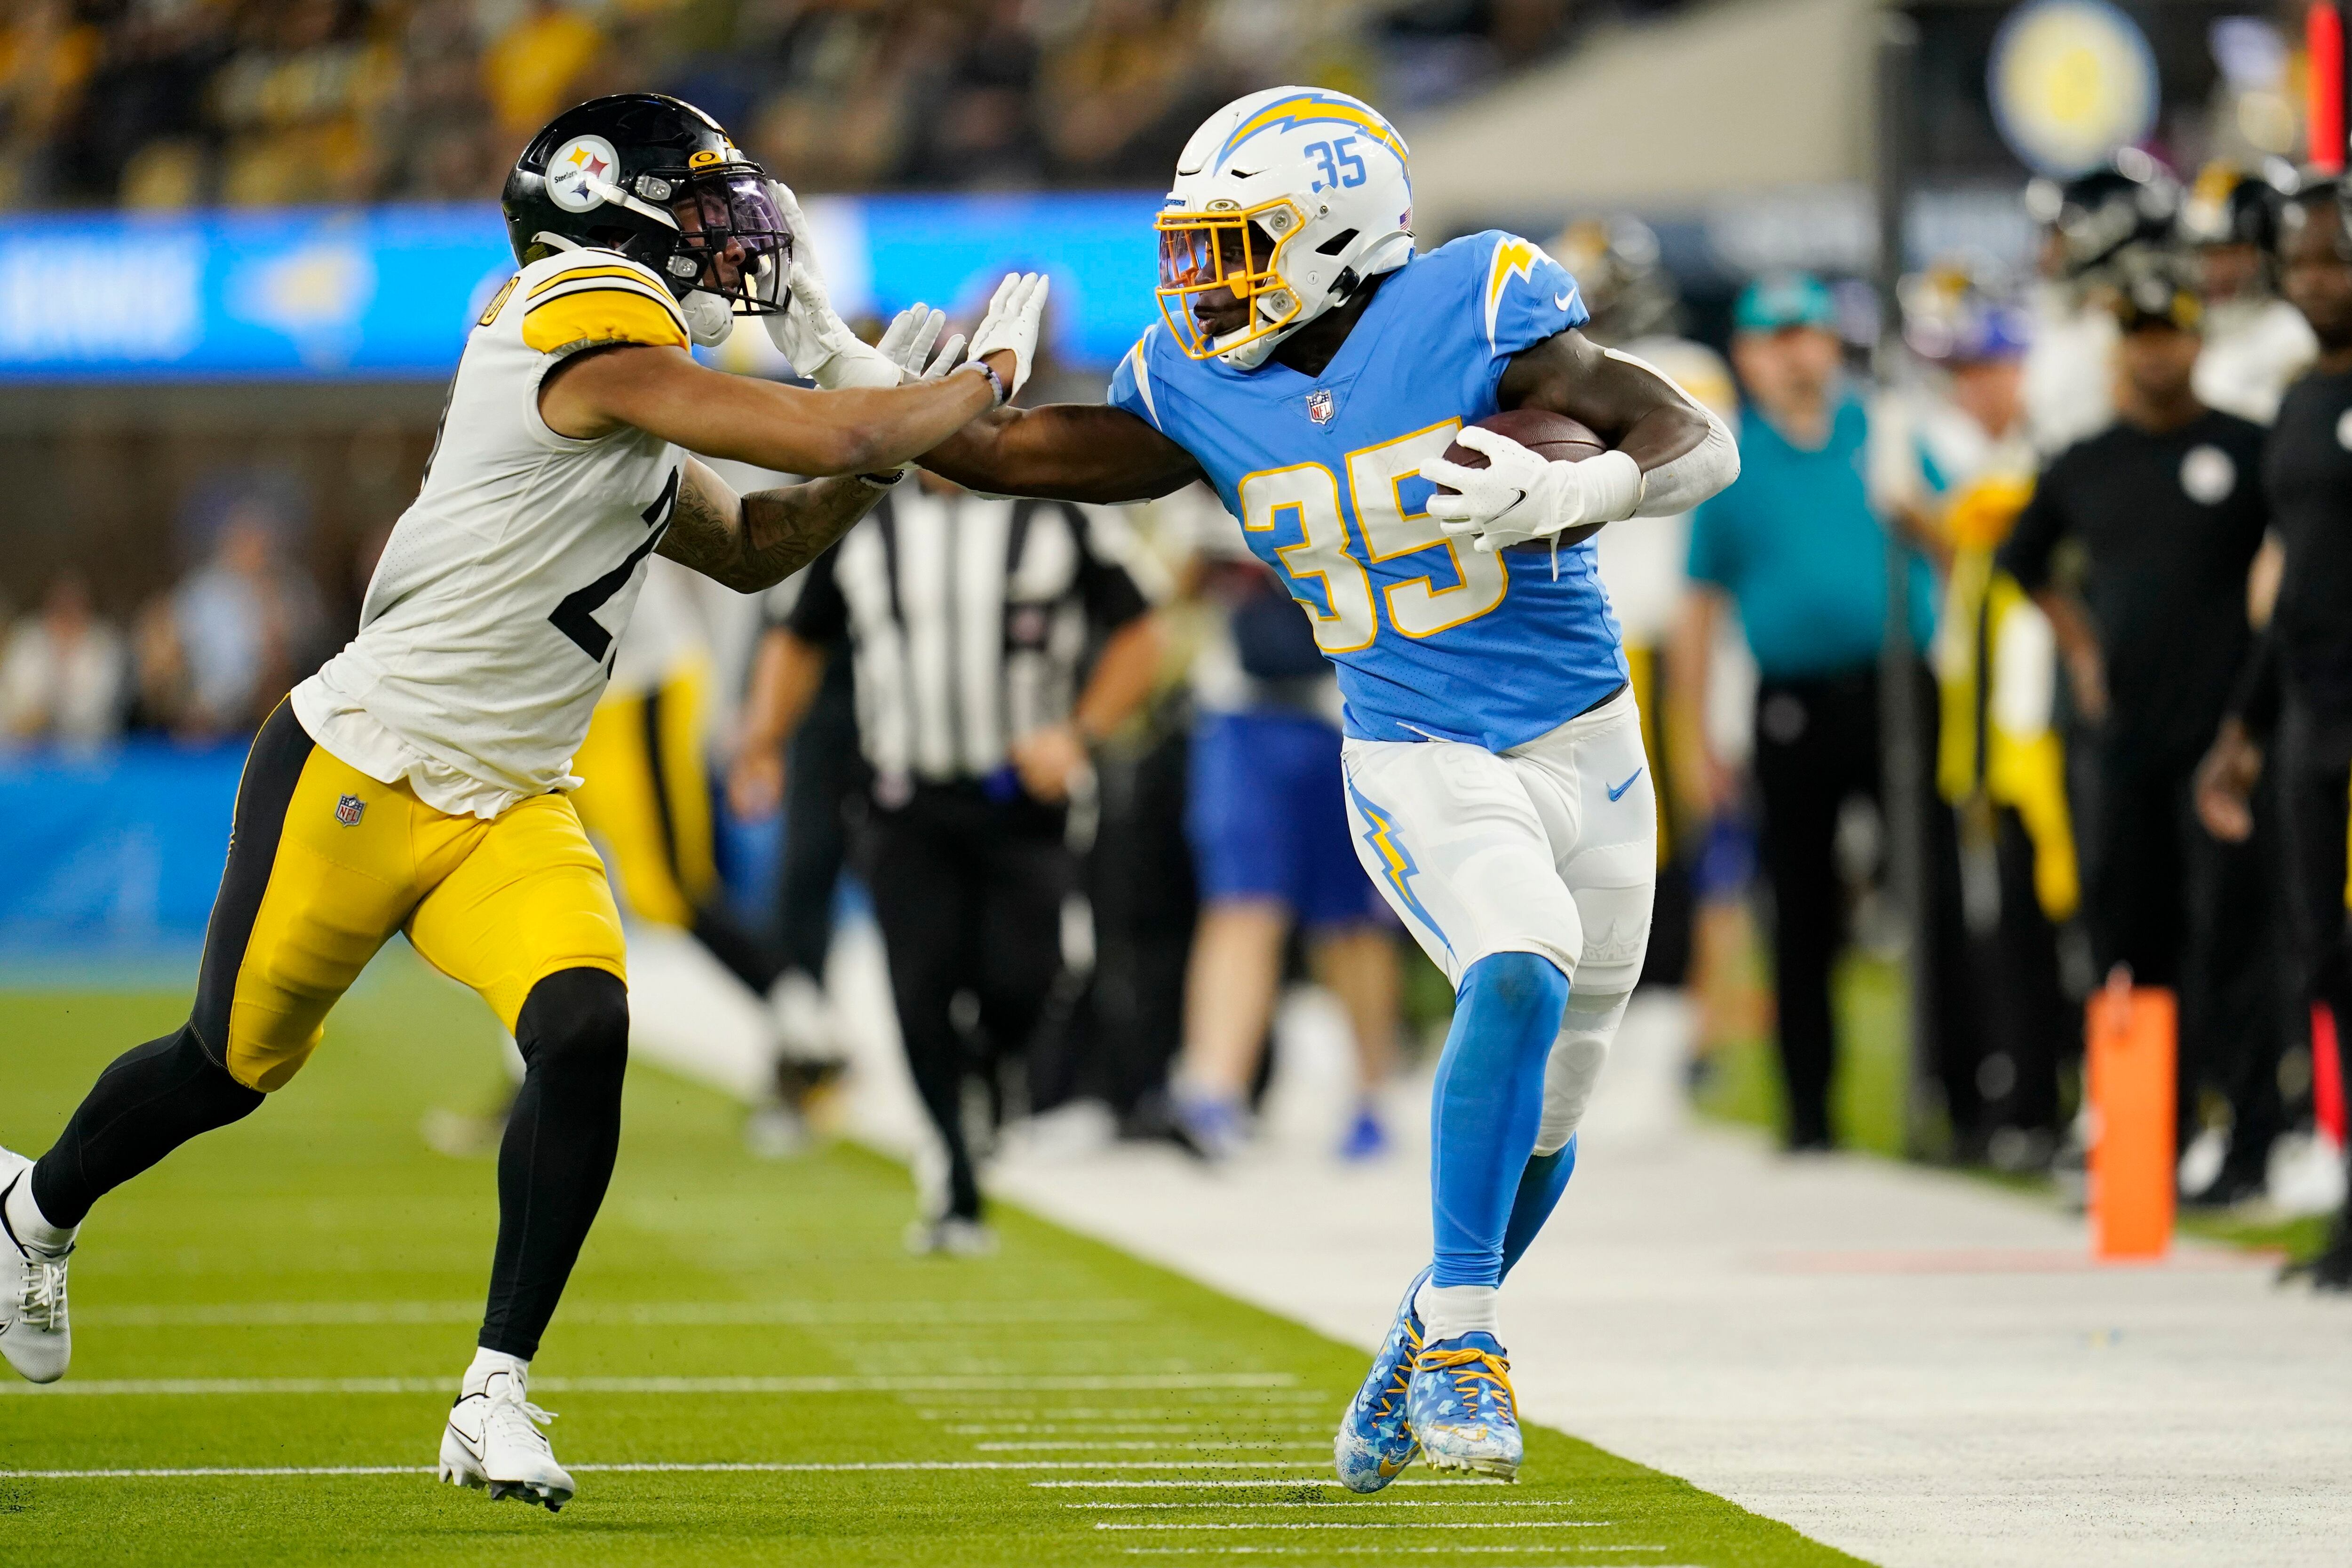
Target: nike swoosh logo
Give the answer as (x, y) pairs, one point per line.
(1562, 301)
(1617, 791)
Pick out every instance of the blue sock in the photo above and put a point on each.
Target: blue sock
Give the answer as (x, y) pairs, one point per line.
(1486, 1107)
(1541, 1185)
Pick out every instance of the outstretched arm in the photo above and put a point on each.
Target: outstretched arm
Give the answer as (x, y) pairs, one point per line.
(1063, 451)
(663, 391)
(755, 541)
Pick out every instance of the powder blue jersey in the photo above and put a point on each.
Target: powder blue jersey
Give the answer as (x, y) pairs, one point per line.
(1433, 639)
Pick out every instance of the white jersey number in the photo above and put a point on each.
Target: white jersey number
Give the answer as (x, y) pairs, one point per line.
(1346, 620)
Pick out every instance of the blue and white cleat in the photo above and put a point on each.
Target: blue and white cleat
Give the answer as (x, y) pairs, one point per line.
(1374, 1444)
(1461, 1407)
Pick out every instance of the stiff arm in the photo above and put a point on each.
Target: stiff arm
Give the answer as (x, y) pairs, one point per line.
(1063, 451)
(1094, 452)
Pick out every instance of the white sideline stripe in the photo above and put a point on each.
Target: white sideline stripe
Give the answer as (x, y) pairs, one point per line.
(1017, 1448)
(655, 1468)
(1367, 1525)
(635, 1314)
(1268, 1481)
(975, 1383)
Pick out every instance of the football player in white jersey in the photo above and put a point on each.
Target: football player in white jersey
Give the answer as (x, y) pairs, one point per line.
(417, 783)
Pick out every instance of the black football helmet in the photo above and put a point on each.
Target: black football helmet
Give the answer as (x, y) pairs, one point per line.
(2309, 192)
(660, 182)
(2094, 217)
(2227, 205)
(1616, 265)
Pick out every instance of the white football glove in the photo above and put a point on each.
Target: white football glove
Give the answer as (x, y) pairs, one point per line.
(908, 340)
(1519, 496)
(819, 344)
(1011, 325)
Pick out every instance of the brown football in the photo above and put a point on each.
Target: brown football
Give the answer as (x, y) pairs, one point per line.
(1554, 437)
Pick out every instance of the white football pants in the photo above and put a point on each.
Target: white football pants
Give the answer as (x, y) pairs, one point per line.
(1551, 848)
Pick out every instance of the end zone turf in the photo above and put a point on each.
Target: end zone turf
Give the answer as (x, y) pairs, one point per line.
(748, 1368)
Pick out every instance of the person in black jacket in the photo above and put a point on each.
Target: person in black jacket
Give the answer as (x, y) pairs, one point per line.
(2137, 544)
(2292, 711)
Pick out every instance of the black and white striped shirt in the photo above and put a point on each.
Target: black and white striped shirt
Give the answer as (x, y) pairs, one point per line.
(969, 620)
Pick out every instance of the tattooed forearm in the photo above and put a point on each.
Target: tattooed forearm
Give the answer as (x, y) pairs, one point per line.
(754, 541)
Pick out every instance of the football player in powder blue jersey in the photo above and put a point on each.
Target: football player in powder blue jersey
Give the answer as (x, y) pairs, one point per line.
(1313, 368)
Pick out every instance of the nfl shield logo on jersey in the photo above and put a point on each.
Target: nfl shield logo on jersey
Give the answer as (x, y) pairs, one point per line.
(1321, 405)
(350, 809)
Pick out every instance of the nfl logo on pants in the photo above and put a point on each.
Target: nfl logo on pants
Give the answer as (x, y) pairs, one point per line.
(350, 809)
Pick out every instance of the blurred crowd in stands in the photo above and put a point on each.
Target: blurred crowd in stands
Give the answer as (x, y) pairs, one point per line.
(172, 103)
(205, 659)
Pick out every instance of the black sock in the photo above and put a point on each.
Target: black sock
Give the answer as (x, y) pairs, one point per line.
(149, 1102)
(557, 1156)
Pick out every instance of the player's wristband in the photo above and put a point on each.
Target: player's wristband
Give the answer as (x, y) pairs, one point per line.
(995, 381)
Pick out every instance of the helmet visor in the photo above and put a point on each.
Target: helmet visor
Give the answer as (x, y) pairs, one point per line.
(728, 223)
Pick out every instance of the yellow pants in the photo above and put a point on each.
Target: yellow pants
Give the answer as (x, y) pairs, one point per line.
(645, 796)
(325, 863)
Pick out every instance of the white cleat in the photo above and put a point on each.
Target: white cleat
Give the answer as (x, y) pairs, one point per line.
(493, 1439)
(35, 1336)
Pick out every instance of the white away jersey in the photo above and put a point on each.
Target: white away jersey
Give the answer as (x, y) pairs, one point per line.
(490, 627)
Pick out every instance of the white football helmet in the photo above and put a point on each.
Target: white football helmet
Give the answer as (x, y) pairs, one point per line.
(1291, 198)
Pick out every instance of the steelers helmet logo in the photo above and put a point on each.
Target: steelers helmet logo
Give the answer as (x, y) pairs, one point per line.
(576, 171)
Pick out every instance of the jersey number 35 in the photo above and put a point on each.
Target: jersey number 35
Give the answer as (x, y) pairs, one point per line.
(1304, 499)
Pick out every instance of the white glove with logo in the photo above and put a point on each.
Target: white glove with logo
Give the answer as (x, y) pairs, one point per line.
(819, 344)
(1519, 496)
(1011, 325)
(808, 331)
(906, 343)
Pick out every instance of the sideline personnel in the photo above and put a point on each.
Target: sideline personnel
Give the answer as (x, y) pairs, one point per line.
(2306, 723)
(2166, 510)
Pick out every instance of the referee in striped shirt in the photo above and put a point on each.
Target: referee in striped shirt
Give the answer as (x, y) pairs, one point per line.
(993, 642)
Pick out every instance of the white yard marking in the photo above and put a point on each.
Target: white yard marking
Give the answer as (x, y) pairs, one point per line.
(1268, 1481)
(1109, 1428)
(1366, 1502)
(1370, 1524)
(1017, 1448)
(966, 1382)
(634, 1314)
(1383, 1551)
(650, 1468)
(1285, 1401)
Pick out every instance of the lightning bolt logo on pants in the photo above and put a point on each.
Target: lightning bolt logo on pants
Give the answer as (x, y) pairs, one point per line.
(1396, 862)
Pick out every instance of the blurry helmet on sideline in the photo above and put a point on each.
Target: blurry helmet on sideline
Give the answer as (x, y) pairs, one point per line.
(2227, 205)
(1291, 198)
(1615, 262)
(2091, 218)
(1960, 313)
(2157, 287)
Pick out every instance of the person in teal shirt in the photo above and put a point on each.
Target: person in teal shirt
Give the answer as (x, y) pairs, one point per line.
(1795, 547)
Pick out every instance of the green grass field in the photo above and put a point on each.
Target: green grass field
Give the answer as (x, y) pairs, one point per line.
(748, 1368)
